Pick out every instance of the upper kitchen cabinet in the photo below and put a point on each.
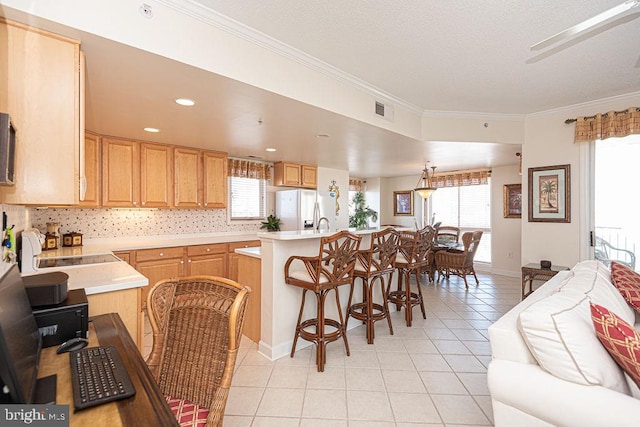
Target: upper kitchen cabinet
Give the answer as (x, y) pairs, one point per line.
(90, 184)
(214, 179)
(156, 176)
(40, 77)
(188, 173)
(120, 173)
(295, 175)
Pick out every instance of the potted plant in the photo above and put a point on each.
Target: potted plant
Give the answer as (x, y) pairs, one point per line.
(362, 213)
(271, 224)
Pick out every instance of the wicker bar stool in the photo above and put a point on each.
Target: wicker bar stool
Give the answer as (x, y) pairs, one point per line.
(197, 326)
(374, 264)
(413, 257)
(324, 273)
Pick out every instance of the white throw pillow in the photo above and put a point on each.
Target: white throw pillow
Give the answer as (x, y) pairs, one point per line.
(560, 334)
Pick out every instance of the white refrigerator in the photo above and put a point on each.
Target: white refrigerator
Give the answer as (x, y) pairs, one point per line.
(302, 209)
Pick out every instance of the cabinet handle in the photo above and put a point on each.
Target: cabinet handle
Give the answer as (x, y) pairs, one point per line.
(134, 203)
(198, 203)
(206, 204)
(143, 203)
(161, 254)
(182, 262)
(189, 261)
(208, 250)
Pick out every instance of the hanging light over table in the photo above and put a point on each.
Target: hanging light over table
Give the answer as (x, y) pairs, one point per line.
(423, 187)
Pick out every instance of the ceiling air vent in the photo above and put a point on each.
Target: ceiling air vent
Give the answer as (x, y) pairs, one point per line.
(384, 111)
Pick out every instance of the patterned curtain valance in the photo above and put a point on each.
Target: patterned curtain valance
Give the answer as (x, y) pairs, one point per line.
(607, 125)
(460, 178)
(249, 169)
(356, 184)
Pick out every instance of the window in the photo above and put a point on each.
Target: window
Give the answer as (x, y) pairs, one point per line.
(247, 197)
(467, 207)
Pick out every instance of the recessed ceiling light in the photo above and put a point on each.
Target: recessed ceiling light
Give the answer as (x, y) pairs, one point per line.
(152, 130)
(271, 150)
(322, 135)
(186, 102)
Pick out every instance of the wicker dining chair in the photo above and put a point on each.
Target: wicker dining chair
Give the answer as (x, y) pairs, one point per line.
(197, 326)
(447, 234)
(460, 263)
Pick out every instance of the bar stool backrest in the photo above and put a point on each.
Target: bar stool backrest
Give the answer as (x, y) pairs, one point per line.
(338, 257)
(381, 254)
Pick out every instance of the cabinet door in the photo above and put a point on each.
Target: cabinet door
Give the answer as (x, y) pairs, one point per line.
(156, 176)
(291, 174)
(120, 173)
(158, 270)
(40, 88)
(188, 172)
(207, 265)
(124, 256)
(233, 257)
(309, 176)
(214, 179)
(92, 170)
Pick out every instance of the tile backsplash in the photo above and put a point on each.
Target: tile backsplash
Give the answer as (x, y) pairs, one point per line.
(105, 223)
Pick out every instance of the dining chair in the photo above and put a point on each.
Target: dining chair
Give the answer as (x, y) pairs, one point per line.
(447, 234)
(374, 264)
(197, 327)
(459, 262)
(321, 274)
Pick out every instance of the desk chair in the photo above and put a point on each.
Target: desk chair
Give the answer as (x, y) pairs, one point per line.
(332, 267)
(412, 258)
(460, 263)
(197, 326)
(374, 264)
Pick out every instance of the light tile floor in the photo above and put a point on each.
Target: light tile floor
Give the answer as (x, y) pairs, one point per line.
(432, 374)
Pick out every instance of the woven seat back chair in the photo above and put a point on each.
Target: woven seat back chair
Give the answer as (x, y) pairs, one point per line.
(447, 234)
(321, 274)
(413, 254)
(197, 326)
(460, 263)
(373, 264)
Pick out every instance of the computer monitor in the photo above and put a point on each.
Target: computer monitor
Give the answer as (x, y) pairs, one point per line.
(20, 341)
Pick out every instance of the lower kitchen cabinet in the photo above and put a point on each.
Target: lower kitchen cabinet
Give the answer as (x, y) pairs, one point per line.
(249, 274)
(207, 260)
(159, 264)
(233, 257)
(120, 301)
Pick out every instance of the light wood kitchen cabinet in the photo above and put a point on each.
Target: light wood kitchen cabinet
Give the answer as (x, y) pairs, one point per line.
(188, 178)
(124, 256)
(233, 257)
(295, 175)
(250, 274)
(156, 176)
(159, 264)
(214, 179)
(92, 170)
(121, 302)
(120, 173)
(41, 88)
(208, 260)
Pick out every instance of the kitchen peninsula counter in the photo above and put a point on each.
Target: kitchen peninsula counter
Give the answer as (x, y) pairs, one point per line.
(281, 302)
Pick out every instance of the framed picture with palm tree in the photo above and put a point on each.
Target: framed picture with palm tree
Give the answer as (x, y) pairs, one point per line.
(550, 194)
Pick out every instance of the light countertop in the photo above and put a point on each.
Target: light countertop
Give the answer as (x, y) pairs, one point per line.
(311, 234)
(250, 252)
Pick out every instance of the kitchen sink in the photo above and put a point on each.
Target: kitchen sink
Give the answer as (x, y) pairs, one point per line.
(76, 260)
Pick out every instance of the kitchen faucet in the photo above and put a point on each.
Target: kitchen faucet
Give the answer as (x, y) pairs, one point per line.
(324, 218)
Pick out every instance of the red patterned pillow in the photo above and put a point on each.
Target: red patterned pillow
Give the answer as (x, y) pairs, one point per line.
(620, 339)
(627, 282)
(188, 414)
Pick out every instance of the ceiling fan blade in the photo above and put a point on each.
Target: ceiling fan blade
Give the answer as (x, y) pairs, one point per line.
(587, 24)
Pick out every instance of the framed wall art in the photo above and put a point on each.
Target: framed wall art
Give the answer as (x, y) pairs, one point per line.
(403, 203)
(550, 194)
(512, 200)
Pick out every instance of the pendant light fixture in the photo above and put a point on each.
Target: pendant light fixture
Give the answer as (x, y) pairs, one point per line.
(423, 187)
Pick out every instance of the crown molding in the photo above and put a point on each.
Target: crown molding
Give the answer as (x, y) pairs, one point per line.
(211, 17)
(588, 104)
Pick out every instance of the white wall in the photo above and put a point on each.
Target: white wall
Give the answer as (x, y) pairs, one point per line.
(505, 232)
(373, 199)
(548, 142)
(402, 183)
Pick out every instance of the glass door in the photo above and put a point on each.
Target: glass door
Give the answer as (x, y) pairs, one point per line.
(616, 234)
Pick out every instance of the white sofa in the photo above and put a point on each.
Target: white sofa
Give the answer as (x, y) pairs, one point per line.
(548, 367)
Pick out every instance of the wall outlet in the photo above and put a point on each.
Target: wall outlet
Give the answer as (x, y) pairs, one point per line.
(510, 255)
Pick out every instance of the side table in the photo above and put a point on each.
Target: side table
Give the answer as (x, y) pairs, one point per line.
(533, 271)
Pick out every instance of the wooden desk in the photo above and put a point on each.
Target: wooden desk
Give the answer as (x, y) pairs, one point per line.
(147, 408)
(531, 272)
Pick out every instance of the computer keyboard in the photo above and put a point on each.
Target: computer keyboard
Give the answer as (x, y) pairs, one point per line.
(98, 376)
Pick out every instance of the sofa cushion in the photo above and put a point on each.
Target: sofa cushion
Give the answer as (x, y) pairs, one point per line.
(628, 283)
(594, 279)
(620, 339)
(560, 334)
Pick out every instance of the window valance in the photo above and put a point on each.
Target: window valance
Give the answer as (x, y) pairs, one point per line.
(460, 178)
(607, 125)
(248, 169)
(356, 184)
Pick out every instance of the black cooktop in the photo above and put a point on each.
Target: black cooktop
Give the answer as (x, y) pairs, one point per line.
(76, 260)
